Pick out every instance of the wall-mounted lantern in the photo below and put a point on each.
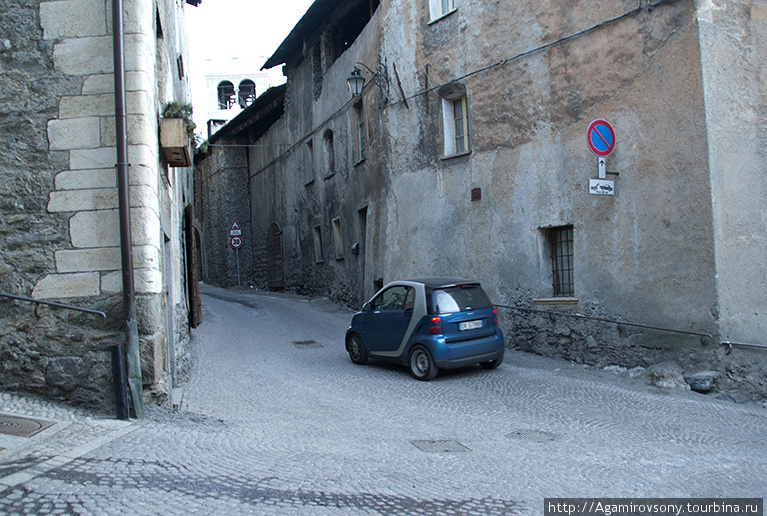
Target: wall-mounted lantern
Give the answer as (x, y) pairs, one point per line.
(357, 83)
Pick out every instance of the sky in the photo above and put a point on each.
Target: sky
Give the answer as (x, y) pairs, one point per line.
(251, 29)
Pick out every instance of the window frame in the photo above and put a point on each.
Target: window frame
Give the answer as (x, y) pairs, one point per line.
(449, 123)
(319, 255)
(377, 304)
(439, 10)
(328, 145)
(360, 136)
(309, 163)
(562, 244)
(338, 238)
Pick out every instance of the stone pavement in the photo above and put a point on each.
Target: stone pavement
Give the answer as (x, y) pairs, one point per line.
(71, 434)
(276, 420)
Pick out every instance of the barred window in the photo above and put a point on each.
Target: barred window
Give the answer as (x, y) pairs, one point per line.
(561, 239)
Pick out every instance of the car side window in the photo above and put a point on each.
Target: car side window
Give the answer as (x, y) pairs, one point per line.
(393, 298)
(410, 299)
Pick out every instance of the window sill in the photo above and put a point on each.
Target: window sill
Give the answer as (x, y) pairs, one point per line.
(359, 162)
(556, 301)
(435, 20)
(443, 158)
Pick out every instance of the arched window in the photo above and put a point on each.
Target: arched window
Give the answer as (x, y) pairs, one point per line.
(225, 95)
(246, 93)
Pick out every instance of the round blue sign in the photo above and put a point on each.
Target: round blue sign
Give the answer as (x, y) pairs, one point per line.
(600, 138)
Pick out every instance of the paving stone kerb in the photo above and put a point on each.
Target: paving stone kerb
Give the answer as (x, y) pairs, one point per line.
(270, 427)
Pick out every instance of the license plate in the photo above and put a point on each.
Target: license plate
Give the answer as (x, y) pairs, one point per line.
(470, 325)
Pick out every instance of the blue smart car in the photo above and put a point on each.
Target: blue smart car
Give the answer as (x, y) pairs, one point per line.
(428, 324)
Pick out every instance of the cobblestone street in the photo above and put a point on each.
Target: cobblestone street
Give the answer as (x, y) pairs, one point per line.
(276, 419)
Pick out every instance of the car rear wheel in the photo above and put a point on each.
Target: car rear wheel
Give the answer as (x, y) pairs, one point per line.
(357, 350)
(421, 364)
(491, 364)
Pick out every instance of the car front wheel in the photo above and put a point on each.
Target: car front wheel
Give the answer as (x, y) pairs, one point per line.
(421, 364)
(357, 350)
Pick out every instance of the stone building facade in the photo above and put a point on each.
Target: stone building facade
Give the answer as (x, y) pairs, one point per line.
(469, 157)
(59, 229)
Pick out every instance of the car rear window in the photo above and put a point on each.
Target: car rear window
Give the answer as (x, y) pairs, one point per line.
(459, 299)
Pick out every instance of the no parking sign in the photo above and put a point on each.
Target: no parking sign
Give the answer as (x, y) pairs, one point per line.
(600, 138)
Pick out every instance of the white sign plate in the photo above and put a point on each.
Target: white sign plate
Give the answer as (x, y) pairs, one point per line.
(602, 186)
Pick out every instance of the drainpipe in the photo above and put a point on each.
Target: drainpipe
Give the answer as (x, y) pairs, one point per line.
(123, 190)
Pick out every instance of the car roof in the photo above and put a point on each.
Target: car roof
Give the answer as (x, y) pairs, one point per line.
(442, 282)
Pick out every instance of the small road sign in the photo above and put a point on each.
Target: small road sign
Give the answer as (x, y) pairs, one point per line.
(600, 138)
(601, 187)
(235, 242)
(235, 229)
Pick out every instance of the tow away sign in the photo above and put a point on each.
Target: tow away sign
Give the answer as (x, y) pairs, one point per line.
(601, 186)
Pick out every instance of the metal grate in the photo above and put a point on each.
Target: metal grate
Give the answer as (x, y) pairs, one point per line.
(535, 436)
(21, 426)
(306, 344)
(562, 261)
(440, 446)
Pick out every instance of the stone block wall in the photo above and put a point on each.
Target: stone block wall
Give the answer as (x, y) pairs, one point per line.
(85, 129)
(59, 224)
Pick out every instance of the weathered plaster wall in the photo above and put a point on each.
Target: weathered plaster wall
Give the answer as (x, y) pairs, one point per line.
(734, 56)
(645, 255)
(62, 185)
(529, 118)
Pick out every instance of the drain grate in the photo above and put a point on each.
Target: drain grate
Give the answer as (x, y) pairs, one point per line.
(22, 426)
(442, 446)
(307, 344)
(534, 436)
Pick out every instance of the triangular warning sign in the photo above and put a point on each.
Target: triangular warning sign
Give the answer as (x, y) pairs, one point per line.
(234, 225)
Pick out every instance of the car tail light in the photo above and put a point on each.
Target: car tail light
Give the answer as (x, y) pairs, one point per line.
(436, 325)
(495, 315)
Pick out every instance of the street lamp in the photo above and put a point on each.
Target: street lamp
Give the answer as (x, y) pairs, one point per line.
(356, 80)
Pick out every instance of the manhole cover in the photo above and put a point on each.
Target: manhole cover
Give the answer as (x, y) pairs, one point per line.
(535, 436)
(306, 344)
(21, 426)
(442, 446)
